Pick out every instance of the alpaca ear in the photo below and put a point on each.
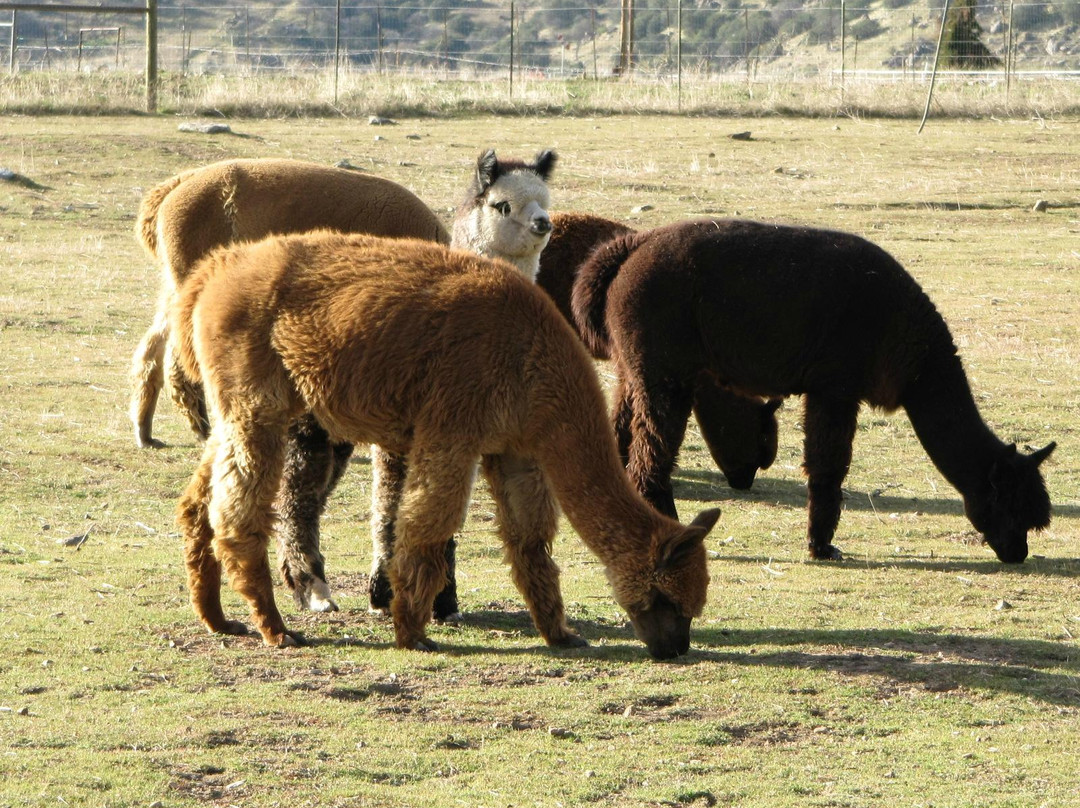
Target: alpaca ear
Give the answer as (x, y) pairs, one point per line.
(545, 164)
(1039, 455)
(487, 170)
(684, 543)
(772, 405)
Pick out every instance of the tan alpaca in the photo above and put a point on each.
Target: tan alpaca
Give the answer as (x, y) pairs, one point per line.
(185, 217)
(504, 213)
(445, 358)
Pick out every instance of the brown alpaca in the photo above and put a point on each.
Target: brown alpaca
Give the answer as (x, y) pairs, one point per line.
(771, 310)
(740, 432)
(448, 359)
(503, 214)
(186, 216)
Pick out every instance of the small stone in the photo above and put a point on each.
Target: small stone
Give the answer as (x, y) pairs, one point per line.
(1040, 206)
(740, 136)
(559, 732)
(412, 137)
(23, 711)
(376, 120)
(1002, 605)
(642, 208)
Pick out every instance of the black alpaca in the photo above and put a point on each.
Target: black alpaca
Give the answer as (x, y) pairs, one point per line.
(771, 310)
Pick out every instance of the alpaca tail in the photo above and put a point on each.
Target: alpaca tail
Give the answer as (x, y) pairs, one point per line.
(146, 222)
(589, 300)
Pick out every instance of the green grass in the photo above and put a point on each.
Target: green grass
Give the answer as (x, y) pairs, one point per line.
(918, 672)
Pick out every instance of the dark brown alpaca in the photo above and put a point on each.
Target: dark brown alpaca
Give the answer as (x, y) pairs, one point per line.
(777, 311)
(438, 355)
(740, 432)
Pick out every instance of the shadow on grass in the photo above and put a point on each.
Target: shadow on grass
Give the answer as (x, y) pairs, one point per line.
(976, 663)
(933, 661)
(697, 485)
(1061, 567)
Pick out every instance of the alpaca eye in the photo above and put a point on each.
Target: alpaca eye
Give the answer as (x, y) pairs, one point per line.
(502, 207)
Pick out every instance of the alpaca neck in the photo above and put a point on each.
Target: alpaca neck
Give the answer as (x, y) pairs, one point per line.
(594, 492)
(947, 422)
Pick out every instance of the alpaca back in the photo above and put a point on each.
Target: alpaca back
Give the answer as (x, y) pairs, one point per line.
(589, 297)
(573, 238)
(246, 200)
(385, 340)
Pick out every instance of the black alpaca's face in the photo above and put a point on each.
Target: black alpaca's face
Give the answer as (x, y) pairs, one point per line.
(1012, 502)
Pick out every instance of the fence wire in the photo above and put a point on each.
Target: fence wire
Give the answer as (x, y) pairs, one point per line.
(776, 40)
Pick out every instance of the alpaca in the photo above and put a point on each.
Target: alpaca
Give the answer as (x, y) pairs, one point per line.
(182, 219)
(186, 216)
(771, 310)
(448, 359)
(740, 432)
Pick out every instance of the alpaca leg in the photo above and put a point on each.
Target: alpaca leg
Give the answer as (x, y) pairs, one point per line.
(310, 464)
(245, 480)
(657, 428)
(188, 395)
(528, 518)
(621, 417)
(433, 505)
(387, 485)
(204, 571)
(388, 482)
(147, 378)
(830, 429)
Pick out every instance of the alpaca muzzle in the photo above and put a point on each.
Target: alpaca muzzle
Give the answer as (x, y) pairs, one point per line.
(540, 226)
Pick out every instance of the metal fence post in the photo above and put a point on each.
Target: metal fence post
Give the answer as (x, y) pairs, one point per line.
(12, 42)
(933, 73)
(337, 48)
(678, 54)
(511, 48)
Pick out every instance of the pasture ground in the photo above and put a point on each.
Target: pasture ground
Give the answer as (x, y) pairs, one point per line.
(918, 672)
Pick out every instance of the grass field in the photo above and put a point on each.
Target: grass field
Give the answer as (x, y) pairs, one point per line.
(917, 672)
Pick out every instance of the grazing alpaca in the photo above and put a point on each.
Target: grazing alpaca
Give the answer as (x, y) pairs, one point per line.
(778, 311)
(182, 219)
(740, 432)
(185, 217)
(443, 357)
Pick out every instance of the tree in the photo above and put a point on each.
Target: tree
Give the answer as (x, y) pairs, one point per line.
(962, 46)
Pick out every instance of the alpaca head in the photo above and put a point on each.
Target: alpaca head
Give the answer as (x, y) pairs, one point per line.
(1012, 501)
(756, 448)
(669, 592)
(504, 214)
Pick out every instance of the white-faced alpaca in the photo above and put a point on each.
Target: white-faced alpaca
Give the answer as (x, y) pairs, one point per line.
(448, 359)
(186, 216)
(182, 219)
(504, 215)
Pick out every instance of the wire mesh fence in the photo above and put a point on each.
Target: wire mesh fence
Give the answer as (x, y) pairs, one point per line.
(774, 40)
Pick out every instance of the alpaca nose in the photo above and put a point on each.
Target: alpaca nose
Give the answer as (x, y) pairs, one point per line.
(541, 225)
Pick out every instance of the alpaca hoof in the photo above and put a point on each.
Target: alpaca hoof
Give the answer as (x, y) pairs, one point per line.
(287, 639)
(424, 644)
(570, 641)
(318, 599)
(146, 442)
(453, 619)
(233, 627)
(827, 553)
